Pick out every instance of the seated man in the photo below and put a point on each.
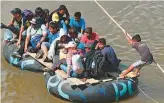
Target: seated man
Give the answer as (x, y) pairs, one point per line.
(36, 34)
(74, 66)
(19, 23)
(73, 34)
(78, 22)
(89, 36)
(88, 58)
(52, 35)
(25, 23)
(40, 13)
(110, 62)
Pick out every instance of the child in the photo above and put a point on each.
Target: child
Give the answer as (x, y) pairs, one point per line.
(74, 63)
(144, 52)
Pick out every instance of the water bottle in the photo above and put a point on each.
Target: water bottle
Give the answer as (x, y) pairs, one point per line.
(93, 64)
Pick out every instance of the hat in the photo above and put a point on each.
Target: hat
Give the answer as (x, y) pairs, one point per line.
(70, 44)
(35, 20)
(55, 17)
(88, 45)
(16, 10)
(81, 46)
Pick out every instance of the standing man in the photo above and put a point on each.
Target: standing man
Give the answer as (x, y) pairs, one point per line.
(144, 52)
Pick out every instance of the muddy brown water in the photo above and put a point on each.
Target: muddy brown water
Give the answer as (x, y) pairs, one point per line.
(143, 17)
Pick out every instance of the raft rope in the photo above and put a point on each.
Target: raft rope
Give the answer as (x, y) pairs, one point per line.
(147, 95)
(129, 36)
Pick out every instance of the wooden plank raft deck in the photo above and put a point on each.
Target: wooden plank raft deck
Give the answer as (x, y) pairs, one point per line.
(46, 64)
(73, 80)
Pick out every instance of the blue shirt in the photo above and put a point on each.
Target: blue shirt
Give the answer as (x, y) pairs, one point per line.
(52, 37)
(78, 25)
(110, 54)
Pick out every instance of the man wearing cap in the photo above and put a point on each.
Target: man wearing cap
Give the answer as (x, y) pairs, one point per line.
(89, 36)
(77, 22)
(36, 34)
(18, 23)
(88, 57)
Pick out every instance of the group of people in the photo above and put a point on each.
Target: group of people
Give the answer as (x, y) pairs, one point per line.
(68, 43)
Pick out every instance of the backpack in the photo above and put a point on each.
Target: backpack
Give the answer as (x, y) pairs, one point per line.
(97, 64)
(28, 14)
(100, 67)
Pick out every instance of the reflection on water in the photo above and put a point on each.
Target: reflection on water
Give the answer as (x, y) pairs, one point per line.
(143, 17)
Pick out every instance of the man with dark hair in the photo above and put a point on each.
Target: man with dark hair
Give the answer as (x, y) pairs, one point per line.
(19, 23)
(22, 20)
(144, 52)
(73, 34)
(51, 35)
(89, 36)
(78, 22)
(108, 53)
(40, 13)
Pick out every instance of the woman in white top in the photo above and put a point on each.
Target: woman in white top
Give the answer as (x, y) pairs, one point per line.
(74, 66)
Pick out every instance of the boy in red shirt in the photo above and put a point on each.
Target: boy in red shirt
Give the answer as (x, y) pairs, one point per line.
(89, 36)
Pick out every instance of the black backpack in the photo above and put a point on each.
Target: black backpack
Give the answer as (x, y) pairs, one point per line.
(98, 60)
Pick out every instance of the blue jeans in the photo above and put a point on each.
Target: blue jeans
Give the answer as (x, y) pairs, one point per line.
(34, 41)
(72, 73)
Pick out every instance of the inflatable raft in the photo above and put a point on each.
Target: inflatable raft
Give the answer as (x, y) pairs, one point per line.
(74, 89)
(28, 63)
(92, 90)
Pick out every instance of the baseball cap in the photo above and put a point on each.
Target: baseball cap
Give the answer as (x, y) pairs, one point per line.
(16, 10)
(81, 46)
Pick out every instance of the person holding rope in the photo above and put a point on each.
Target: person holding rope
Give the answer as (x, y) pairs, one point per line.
(144, 52)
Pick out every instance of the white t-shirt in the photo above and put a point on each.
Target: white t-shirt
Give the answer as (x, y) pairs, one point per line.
(77, 62)
(40, 31)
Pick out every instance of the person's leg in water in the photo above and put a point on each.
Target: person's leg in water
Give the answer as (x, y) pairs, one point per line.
(15, 30)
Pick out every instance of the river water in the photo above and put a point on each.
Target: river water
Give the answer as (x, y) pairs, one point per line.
(143, 17)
